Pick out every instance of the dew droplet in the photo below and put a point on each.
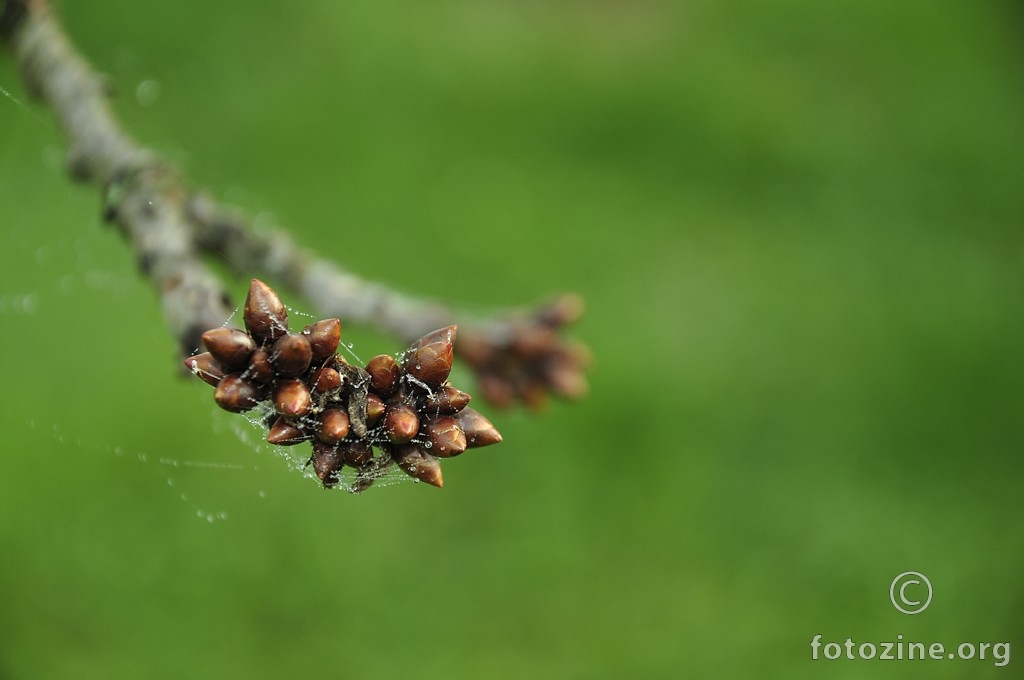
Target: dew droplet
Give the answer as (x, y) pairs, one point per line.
(147, 92)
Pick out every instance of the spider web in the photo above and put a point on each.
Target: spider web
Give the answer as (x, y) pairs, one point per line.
(30, 306)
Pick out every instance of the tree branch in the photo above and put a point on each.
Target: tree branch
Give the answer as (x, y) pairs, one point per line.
(332, 290)
(142, 196)
(518, 356)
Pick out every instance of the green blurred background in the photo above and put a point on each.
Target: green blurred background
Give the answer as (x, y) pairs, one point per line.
(797, 226)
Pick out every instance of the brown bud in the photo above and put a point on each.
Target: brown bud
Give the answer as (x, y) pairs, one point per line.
(495, 389)
(285, 434)
(384, 374)
(327, 460)
(265, 315)
(325, 380)
(230, 347)
(401, 423)
(429, 359)
(374, 409)
(324, 337)
(565, 380)
(563, 310)
(260, 368)
(236, 394)
(446, 437)
(291, 355)
(356, 454)
(292, 398)
(206, 367)
(448, 400)
(475, 348)
(417, 463)
(479, 431)
(333, 425)
(534, 341)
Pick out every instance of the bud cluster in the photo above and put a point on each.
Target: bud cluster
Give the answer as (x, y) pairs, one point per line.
(525, 357)
(404, 408)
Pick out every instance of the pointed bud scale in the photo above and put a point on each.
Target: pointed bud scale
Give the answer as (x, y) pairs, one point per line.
(291, 355)
(446, 437)
(283, 433)
(576, 354)
(230, 347)
(260, 369)
(292, 398)
(374, 409)
(534, 341)
(332, 425)
(265, 315)
(401, 423)
(563, 310)
(417, 463)
(327, 460)
(235, 394)
(479, 431)
(206, 368)
(476, 349)
(384, 374)
(356, 454)
(496, 390)
(448, 400)
(566, 381)
(325, 380)
(429, 359)
(324, 337)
